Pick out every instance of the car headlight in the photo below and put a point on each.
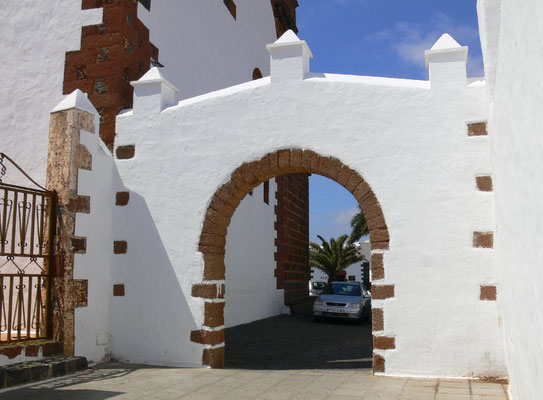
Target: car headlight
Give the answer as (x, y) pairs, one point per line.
(318, 303)
(354, 305)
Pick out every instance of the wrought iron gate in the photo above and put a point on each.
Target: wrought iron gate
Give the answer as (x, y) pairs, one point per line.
(26, 240)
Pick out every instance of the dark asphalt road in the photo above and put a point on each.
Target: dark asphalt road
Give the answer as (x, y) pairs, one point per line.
(296, 342)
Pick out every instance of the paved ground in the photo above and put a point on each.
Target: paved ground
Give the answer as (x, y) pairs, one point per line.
(296, 342)
(118, 381)
(266, 360)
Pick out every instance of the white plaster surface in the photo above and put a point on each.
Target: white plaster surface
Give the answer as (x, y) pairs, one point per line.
(251, 287)
(92, 325)
(211, 50)
(517, 161)
(489, 15)
(35, 37)
(430, 203)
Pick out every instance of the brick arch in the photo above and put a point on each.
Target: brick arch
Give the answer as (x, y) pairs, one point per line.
(217, 219)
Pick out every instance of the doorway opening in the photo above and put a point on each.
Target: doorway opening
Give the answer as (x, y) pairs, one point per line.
(250, 177)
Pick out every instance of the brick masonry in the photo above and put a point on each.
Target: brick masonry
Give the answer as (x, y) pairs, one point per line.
(126, 152)
(112, 54)
(122, 198)
(384, 343)
(118, 290)
(120, 247)
(377, 267)
(377, 320)
(382, 292)
(214, 357)
(292, 227)
(378, 363)
(32, 349)
(284, 12)
(484, 183)
(489, 293)
(477, 129)
(227, 198)
(483, 240)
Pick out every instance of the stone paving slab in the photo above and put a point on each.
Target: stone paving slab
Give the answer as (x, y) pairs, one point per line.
(34, 371)
(133, 382)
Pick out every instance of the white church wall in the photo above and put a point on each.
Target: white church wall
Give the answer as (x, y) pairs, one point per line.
(35, 37)
(517, 158)
(92, 324)
(211, 50)
(251, 287)
(441, 326)
(203, 48)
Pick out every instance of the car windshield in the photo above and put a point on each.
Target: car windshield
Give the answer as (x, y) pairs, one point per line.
(319, 285)
(343, 289)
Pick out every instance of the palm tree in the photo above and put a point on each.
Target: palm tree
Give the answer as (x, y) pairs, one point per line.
(333, 257)
(359, 226)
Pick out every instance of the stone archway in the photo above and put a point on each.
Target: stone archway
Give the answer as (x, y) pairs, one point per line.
(217, 219)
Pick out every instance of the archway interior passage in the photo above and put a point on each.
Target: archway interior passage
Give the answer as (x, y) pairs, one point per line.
(219, 214)
(261, 285)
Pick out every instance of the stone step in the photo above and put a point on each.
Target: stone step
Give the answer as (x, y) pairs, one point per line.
(34, 371)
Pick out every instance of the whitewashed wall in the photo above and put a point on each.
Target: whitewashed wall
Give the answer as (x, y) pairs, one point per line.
(35, 37)
(251, 287)
(92, 325)
(431, 203)
(203, 48)
(515, 51)
(200, 43)
(211, 50)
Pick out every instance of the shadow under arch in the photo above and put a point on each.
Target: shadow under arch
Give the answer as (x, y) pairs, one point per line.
(217, 219)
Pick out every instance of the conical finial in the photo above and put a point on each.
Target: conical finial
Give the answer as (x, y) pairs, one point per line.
(446, 41)
(446, 45)
(76, 99)
(447, 61)
(288, 37)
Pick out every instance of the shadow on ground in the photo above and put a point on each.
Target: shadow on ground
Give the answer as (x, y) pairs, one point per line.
(296, 342)
(61, 389)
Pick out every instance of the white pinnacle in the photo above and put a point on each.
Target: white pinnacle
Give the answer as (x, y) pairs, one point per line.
(446, 41)
(76, 99)
(288, 37)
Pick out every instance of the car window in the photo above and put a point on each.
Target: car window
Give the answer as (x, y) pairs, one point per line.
(342, 289)
(319, 285)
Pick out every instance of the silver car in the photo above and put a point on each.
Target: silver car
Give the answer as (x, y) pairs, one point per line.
(347, 300)
(316, 288)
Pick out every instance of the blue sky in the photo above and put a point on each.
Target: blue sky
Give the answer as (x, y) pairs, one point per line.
(378, 38)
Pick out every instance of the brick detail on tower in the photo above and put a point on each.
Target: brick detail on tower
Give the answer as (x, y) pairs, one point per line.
(284, 12)
(112, 54)
(292, 226)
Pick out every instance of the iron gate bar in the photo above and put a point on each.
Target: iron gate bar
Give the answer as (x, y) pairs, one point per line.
(3, 170)
(27, 226)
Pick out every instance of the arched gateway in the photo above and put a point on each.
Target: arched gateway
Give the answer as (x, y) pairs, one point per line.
(415, 152)
(221, 209)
